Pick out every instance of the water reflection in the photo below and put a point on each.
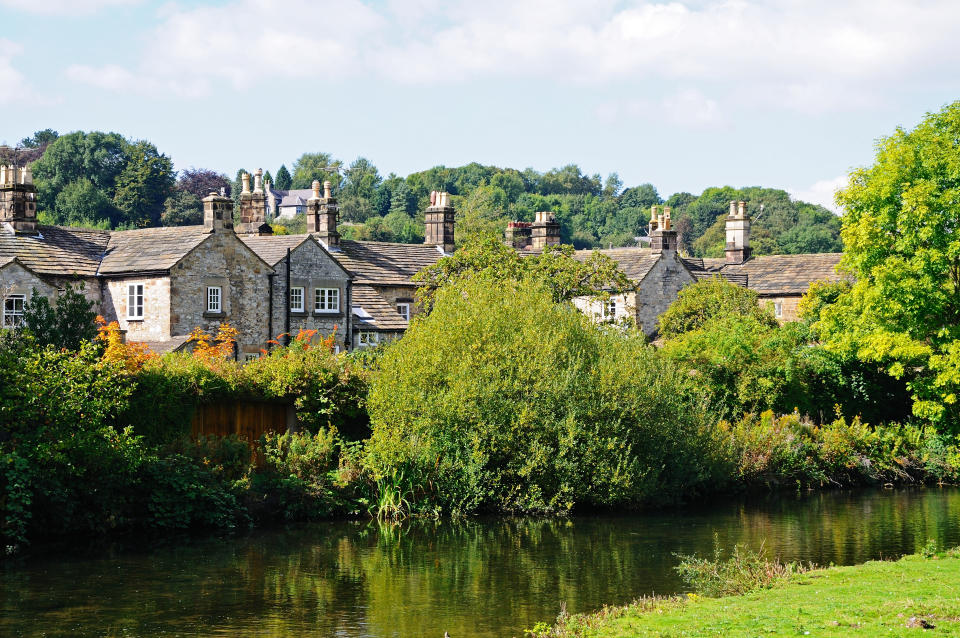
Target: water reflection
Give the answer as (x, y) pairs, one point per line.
(471, 578)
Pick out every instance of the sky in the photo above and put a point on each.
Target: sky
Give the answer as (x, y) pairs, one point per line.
(685, 95)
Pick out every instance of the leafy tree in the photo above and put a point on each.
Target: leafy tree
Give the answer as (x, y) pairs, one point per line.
(97, 157)
(403, 228)
(709, 299)
(283, 178)
(144, 185)
(183, 208)
(40, 139)
(201, 181)
(899, 229)
(315, 166)
(80, 203)
(402, 200)
(68, 324)
(612, 187)
(555, 269)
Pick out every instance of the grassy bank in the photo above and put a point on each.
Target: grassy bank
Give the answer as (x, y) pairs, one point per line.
(877, 598)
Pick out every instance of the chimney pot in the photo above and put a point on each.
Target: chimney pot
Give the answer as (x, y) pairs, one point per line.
(245, 179)
(316, 188)
(327, 192)
(258, 181)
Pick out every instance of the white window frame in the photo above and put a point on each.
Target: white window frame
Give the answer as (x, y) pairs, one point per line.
(12, 317)
(302, 294)
(136, 302)
(215, 299)
(403, 307)
(778, 309)
(326, 300)
(608, 309)
(367, 338)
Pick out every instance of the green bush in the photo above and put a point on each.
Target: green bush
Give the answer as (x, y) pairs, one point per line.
(502, 399)
(744, 571)
(711, 299)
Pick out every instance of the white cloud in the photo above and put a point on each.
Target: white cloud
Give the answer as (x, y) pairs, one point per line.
(64, 7)
(807, 55)
(821, 192)
(16, 89)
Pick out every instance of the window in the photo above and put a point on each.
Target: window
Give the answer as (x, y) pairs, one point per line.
(13, 311)
(251, 356)
(296, 299)
(778, 309)
(134, 301)
(367, 339)
(610, 309)
(214, 299)
(327, 300)
(404, 309)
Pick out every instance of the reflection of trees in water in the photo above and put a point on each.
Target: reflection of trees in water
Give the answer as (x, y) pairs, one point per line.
(475, 577)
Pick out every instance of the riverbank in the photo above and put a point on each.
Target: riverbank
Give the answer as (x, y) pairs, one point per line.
(914, 593)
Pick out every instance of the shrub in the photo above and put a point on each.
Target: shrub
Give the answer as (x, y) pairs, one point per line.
(744, 571)
(502, 399)
(710, 299)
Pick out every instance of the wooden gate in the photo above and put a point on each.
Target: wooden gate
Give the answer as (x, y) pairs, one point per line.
(247, 419)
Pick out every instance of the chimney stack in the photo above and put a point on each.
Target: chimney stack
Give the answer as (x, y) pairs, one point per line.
(18, 199)
(545, 230)
(253, 207)
(322, 215)
(218, 212)
(663, 237)
(738, 234)
(519, 234)
(439, 222)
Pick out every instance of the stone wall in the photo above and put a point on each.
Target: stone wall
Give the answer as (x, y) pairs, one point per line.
(400, 294)
(788, 306)
(659, 289)
(222, 260)
(155, 325)
(311, 268)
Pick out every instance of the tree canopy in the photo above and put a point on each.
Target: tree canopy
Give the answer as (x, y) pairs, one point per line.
(901, 244)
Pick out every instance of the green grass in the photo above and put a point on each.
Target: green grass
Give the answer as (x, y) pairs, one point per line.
(880, 598)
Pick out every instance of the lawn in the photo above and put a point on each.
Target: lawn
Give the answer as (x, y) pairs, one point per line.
(909, 597)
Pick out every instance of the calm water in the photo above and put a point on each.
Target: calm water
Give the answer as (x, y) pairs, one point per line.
(476, 578)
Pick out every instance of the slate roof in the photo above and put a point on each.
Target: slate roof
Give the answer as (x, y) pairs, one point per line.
(296, 197)
(371, 311)
(173, 344)
(56, 250)
(385, 263)
(781, 274)
(150, 249)
(273, 248)
(634, 262)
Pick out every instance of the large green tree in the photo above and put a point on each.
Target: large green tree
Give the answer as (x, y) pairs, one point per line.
(315, 166)
(95, 156)
(283, 178)
(143, 185)
(900, 232)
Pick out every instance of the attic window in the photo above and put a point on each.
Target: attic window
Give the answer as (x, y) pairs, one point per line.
(404, 309)
(135, 301)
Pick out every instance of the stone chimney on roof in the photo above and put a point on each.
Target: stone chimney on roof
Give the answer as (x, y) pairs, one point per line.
(253, 207)
(218, 212)
(663, 237)
(439, 222)
(738, 234)
(18, 199)
(545, 230)
(322, 215)
(519, 234)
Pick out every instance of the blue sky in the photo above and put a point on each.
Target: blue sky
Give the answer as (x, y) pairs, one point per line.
(685, 95)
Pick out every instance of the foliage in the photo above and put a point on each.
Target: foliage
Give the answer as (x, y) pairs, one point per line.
(67, 324)
(502, 399)
(80, 203)
(710, 299)
(768, 450)
(899, 231)
(283, 178)
(97, 157)
(40, 139)
(315, 166)
(182, 209)
(555, 268)
(744, 571)
(200, 182)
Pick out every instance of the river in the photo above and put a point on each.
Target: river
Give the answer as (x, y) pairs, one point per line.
(473, 578)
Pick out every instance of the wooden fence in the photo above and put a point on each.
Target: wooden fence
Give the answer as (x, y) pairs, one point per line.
(247, 419)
